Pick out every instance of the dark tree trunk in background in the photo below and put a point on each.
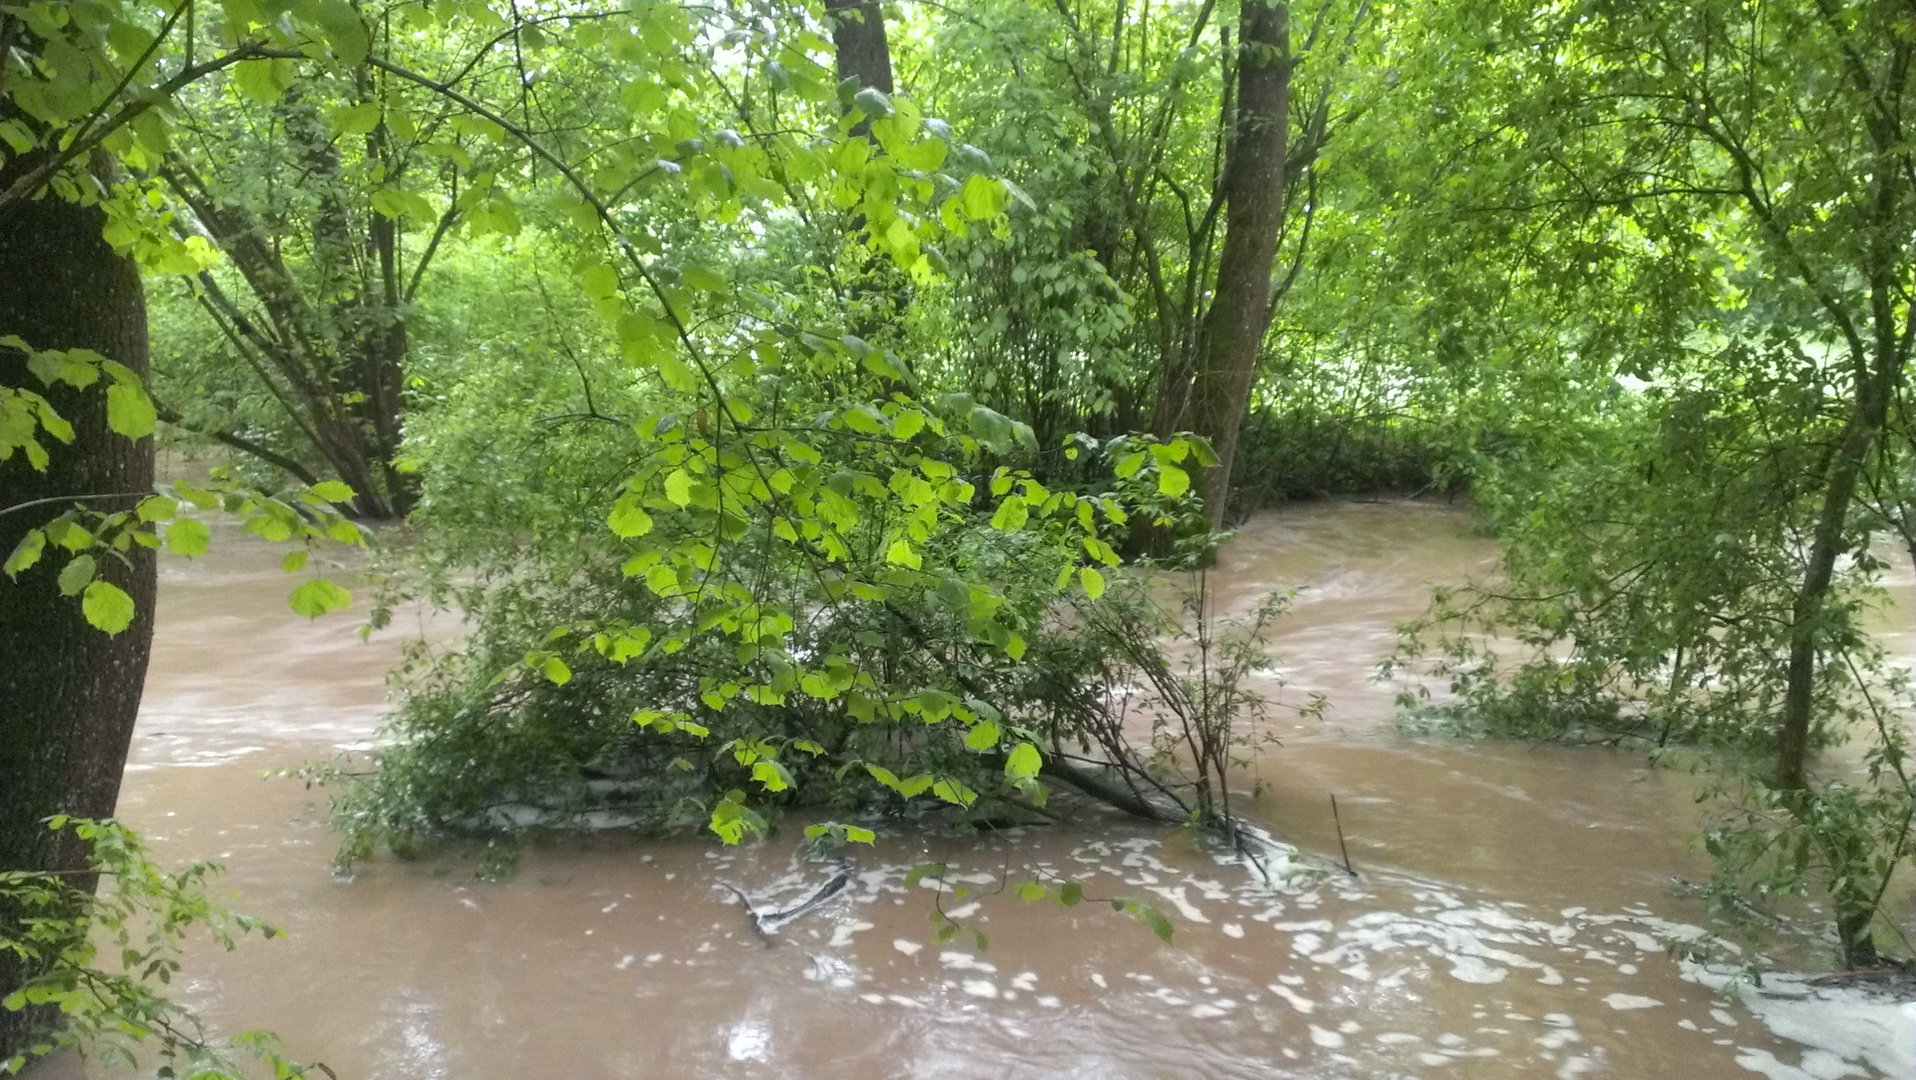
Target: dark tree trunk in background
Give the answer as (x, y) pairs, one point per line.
(1253, 184)
(68, 693)
(858, 37)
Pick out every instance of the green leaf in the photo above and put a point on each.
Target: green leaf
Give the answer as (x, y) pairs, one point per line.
(982, 197)
(982, 736)
(355, 119)
(319, 596)
(859, 836)
(262, 81)
(333, 491)
(678, 487)
(771, 774)
(954, 792)
(76, 574)
(26, 552)
(157, 508)
(556, 671)
(295, 561)
(188, 537)
(1093, 582)
(1012, 514)
(628, 519)
(873, 103)
(1070, 893)
(129, 411)
(1173, 481)
(107, 607)
(1153, 919)
(344, 31)
(901, 553)
(700, 277)
(1024, 761)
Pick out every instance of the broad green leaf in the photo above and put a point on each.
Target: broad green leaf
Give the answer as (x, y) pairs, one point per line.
(107, 607)
(157, 508)
(355, 119)
(1093, 582)
(295, 561)
(333, 491)
(678, 487)
(129, 411)
(982, 196)
(76, 575)
(628, 519)
(1154, 919)
(344, 31)
(26, 552)
(705, 279)
(982, 736)
(1024, 761)
(1173, 481)
(188, 536)
(556, 671)
(319, 596)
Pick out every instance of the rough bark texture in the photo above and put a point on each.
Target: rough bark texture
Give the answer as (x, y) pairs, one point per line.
(858, 38)
(68, 693)
(1253, 185)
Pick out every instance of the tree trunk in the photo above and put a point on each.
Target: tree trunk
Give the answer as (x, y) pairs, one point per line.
(68, 693)
(1874, 388)
(858, 37)
(1253, 184)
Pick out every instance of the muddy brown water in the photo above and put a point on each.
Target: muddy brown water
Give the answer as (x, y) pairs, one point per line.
(1512, 915)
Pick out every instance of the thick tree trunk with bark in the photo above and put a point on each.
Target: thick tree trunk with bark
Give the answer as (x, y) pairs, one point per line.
(1253, 184)
(858, 38)
(68, 693)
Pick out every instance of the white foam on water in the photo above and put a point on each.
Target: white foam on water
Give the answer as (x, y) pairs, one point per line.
(1849, 1025)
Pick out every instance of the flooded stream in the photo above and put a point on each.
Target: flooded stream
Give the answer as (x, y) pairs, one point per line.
(1512, 914)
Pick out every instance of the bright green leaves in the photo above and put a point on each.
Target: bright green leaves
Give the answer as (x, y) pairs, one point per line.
(1173, 481)
(1024, 762)
(840, 833)
(129, 411)
(188, 537)
(1011, 514)
(982, 736)
(732, 819)
(25, 553)
(318, 597)
(678, 487)
(106, 606)
(628, 519)
(909, 788)
(333, 491)
(982, 197)
(24, 414)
